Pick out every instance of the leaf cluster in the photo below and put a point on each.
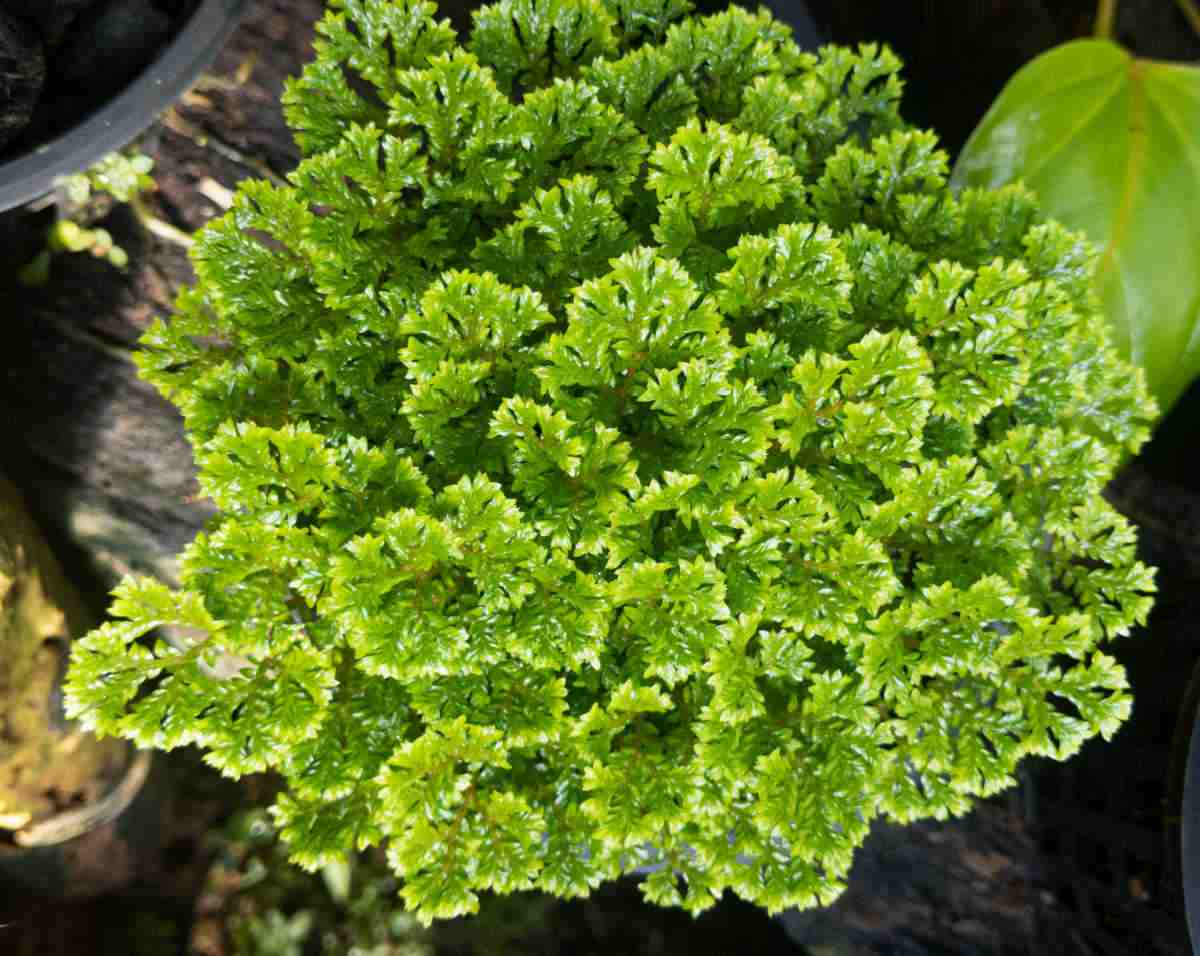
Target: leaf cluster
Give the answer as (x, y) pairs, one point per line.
(263, 906)
(628, 451)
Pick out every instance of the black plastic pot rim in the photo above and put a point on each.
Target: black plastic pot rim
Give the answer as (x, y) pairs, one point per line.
(1190, 836)
(33, 174)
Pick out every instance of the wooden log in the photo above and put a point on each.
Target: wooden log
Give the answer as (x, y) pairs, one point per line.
(101, 456)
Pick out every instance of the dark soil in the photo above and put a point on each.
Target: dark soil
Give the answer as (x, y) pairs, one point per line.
(22, 76)
(1081, 859)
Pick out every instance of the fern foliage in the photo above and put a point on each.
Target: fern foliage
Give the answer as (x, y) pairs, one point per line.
(628, 451)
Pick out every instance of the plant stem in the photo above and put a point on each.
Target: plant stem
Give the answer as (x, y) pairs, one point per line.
(1191, 12)
(1106, 15)
(164, 230)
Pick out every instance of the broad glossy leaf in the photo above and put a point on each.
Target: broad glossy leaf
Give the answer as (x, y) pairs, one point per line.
(1111, 145)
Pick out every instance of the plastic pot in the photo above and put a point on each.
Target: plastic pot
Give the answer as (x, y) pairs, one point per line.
(1190, 817)
(795, 13)
(32, 174)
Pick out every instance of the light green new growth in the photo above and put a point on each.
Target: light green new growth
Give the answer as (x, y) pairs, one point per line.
(120, 175)
(628, 451)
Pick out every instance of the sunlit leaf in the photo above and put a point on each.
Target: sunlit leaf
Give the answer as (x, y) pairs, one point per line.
(1111, 145)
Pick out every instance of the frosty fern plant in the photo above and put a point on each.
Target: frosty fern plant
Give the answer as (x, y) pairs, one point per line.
(628, 451)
